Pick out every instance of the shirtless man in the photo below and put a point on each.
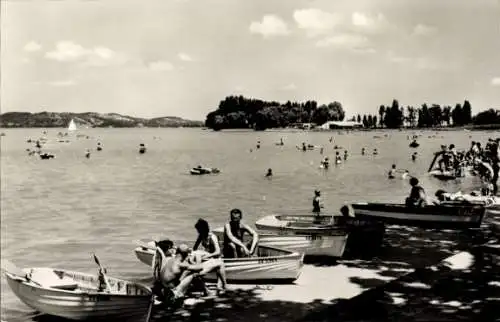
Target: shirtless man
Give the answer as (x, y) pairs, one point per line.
(172, 274)
(233, 237)
(175, 268)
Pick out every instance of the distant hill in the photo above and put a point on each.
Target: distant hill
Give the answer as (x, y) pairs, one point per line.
(89, 119)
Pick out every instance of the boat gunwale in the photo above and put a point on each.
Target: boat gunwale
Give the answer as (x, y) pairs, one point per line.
(288, 254)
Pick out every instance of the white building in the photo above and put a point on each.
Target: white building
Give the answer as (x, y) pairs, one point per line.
(330, 125)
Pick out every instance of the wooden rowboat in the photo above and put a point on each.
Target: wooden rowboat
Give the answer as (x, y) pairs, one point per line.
(269, 265)
(75, 295)
(317, 235)
(312, 244)
(446, 215)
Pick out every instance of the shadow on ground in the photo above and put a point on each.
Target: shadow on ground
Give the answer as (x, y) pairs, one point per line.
(439, 294)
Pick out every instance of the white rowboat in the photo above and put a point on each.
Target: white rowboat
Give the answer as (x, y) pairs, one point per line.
(75, 295)
(269, 265)
(321, 245)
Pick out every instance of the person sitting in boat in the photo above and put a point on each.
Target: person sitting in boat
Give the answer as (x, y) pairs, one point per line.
(269, 173)
(210, 244)
(417, 196)
(234, 232)
(317, 202)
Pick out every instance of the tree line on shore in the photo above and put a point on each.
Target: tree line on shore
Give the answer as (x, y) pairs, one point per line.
(236, 112)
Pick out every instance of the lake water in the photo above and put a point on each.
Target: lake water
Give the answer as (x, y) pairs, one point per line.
(57, 212)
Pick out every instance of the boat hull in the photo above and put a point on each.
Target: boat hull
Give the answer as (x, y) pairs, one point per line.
(446, 216)
(315, 235)
(84, 304)
(270, 265)
(311, 245)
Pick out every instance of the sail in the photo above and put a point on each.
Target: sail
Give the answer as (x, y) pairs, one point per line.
(72, 126)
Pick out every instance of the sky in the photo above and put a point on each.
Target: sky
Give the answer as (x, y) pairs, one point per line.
(152, 58)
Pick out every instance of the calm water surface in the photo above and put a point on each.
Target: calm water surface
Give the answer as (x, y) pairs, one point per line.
(57, 212)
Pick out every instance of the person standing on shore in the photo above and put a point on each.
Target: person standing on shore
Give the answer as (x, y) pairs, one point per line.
(317, 202)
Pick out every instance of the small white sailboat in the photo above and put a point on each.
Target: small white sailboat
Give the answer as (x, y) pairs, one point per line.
(72, 126)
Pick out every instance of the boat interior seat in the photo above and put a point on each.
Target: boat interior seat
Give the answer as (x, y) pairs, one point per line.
(48, 278)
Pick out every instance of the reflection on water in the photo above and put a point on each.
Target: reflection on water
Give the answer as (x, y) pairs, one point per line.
(57, 212)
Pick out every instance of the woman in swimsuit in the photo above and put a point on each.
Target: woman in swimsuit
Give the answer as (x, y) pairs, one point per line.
(207, 239)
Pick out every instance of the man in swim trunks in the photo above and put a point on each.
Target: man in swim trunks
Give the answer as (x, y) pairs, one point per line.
(233, 237)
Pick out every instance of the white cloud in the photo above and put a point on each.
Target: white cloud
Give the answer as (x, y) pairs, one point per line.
(32, 46)
(62, 83)
(369, 22)
(349, 41)
(495, 81)
(184, 57)
(270, 25)
(68, 51)
(160, 66)
(423, 30)
(316, 21)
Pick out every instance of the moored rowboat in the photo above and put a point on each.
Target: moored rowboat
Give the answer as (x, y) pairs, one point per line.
(317, 235)
(312, 244)
(450, 216)
(75, 295)
(270, 264)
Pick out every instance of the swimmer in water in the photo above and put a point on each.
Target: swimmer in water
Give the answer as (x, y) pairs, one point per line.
(338, 158)
(414, 156)
(363, 151)
(345, 155)
(392, 172)
(375, 152)
(325, 163)
(87, 154)
(321, 150)
(269, 173)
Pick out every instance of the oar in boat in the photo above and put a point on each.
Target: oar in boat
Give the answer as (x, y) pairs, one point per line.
(11, 268)
(102, 272)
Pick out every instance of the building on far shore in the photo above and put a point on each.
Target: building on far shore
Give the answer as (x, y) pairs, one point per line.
(331, 125)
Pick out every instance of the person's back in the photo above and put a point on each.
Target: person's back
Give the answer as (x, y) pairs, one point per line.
(417, 197)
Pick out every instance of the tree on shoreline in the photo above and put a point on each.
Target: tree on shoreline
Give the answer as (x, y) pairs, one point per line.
(237, 112)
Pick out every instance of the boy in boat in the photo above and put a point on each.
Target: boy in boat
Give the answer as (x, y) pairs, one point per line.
(233, 237)
(417, 196)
